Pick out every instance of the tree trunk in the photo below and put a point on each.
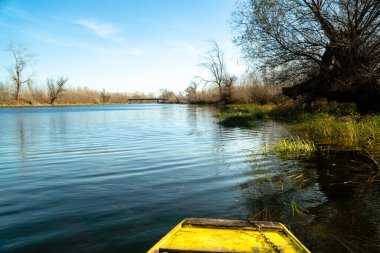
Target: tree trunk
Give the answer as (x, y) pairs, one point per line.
(17, 95)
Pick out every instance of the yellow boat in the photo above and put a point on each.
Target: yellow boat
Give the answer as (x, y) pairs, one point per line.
(234, 236)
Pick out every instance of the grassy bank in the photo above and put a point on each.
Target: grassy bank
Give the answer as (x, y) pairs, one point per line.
(331, 124)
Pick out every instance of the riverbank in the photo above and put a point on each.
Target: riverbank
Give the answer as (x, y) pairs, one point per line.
(40, 105)
(331, 124)
(59, 105)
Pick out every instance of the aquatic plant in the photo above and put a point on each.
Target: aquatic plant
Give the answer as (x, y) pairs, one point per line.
(349, 132)
(325, 123)
(296, 209)
(266, 214)
(294, 148)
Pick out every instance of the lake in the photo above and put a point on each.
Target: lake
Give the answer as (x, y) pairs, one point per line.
(116, 178)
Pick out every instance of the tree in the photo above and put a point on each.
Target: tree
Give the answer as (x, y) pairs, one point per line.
(324, 48)
(169, 95)
(229, 82)
(55, 88)
(104, 96)
(22, 60)
(214, 63)
(191, 91)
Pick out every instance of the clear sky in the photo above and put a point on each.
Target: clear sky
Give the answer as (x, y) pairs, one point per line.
(119, 45)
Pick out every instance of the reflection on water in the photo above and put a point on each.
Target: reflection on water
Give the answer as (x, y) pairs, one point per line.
(349, 180)
(329, 202)
(116, 178)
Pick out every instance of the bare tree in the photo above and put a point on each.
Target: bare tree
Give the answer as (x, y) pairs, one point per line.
(191, 91)
(215, 64)
(22, 60)
(324, 48)
(169, 95)
(104, 96)
(56, 87)
(229, 82)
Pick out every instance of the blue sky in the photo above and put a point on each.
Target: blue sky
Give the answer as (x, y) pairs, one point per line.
(119, 45)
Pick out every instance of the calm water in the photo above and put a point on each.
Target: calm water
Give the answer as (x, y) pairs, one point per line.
(117, 178)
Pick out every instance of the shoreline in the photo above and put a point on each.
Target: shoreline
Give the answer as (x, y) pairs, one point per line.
(62, 105)
(335, 125)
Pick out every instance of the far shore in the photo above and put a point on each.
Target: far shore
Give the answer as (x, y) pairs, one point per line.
(59, 105)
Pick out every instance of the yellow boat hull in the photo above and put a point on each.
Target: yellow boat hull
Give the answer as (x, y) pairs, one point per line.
(234, 236)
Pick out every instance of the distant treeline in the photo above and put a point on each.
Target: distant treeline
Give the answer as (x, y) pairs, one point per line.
(219, 87)
(248, 90)
(70, 95)
(20, 88)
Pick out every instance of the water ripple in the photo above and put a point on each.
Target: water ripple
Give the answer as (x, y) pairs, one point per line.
(116, 178)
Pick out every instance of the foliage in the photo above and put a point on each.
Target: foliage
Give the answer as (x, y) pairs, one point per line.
(321, 48)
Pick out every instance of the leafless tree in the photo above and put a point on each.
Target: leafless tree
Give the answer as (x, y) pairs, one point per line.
(22, 60)
(191, 91)
(229, 82)
(104, 96)
(215, 64)
(169, 95)
(324, 48)
(56, 87)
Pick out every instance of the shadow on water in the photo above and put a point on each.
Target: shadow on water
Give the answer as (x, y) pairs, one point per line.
(350, 181)
(330, 202)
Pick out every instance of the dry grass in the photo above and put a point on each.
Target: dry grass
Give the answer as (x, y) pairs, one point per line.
(245, 93)
(71, 96)
(257, 94)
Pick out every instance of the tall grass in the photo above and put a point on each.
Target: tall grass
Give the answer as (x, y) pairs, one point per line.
(294, 148)
(327, 123)
(244, 115)
(350, 132)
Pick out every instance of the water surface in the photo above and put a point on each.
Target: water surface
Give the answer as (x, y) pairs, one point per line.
(116, 178)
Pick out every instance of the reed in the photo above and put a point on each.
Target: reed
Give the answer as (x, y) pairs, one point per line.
(296, 209)
(294, 148)
(324, 123)
(348, 132)
(244, 115)
(267, 214)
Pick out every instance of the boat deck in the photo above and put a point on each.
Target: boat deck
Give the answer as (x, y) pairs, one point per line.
(234, 236)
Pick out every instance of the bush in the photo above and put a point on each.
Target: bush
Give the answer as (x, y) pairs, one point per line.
(257, 93)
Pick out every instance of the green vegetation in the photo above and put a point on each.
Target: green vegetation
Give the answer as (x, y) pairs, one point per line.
(244, 115)
(290, 148)
(347, 131)
(325, 123)
(310, 47)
